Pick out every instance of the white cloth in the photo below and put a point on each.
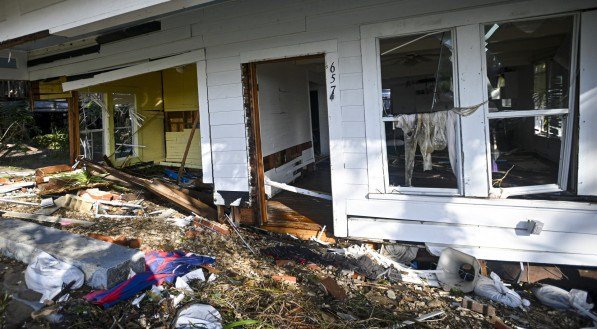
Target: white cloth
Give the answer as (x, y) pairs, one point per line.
(430, 132)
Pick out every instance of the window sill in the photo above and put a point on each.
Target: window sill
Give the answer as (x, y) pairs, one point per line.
(541, 204)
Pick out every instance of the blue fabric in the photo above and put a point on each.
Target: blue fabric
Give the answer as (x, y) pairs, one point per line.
(161, 266)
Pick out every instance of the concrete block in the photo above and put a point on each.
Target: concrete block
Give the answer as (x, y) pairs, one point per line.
(104, 264)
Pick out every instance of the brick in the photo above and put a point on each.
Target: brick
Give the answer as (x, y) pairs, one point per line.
(284, 278)
(480, 308)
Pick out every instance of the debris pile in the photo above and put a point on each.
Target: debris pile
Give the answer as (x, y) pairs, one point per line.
(202, 273)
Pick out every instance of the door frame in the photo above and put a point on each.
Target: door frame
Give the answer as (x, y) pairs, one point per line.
(329, 51)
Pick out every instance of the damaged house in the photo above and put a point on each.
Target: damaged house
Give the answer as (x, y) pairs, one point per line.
(449, 123)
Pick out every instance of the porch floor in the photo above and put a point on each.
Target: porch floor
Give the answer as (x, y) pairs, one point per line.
(302, 215)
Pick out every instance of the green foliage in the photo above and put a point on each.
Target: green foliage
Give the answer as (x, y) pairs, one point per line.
(16, 123)
(57, 140)
(4, 299)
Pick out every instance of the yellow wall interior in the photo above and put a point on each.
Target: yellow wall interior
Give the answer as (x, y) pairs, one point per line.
(173, 91)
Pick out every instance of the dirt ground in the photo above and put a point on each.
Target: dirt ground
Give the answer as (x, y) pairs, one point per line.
(244, 288)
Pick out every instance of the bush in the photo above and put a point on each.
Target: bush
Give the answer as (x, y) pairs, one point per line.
(57, 140)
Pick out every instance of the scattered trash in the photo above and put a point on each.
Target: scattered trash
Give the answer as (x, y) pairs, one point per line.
(480, 308)
(494, 289)
(138, 300)
(399, 252)
(182, 222)
(161, 267)
(48, 275)
(198, 316)
(333, 289)
(420, 319)
(561, 299)
(47, 202)
(457, 270)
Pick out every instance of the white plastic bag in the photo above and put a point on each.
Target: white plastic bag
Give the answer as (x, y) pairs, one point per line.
(198, 316)
(560, 298)
(495, 290)
(46, 275)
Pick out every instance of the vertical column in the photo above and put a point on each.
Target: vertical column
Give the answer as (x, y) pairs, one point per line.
(471, 81)
(587, 121)
(73, 126)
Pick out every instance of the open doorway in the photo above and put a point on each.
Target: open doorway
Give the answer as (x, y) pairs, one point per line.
(291, 145)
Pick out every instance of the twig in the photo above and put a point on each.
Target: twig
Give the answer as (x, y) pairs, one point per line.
(240, 236)
(500, 180)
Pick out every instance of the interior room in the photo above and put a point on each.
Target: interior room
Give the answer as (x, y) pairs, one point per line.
(294, 133)
(418, 94)
(145, 118)
(528, 69)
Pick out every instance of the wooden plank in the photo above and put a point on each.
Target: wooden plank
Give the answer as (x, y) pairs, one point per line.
(516, 256)
(467, 235)
(373, 111)
(204, 123)
(255, 151)
(15, 186)
(6, 44)
(134, 70)
(73, 127)
(443, 210)
(186, 151)
(298, 190)
(587, 134)
(170, 193)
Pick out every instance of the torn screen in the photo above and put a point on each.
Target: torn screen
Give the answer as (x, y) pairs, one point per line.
(418, 108)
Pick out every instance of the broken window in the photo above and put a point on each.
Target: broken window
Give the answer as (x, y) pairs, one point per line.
(91, 125)
(124, 124)
(528, 66)
(421, 136)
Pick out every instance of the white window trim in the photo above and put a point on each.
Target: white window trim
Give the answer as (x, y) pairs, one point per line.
(134, 128)
(415, 189)
(566, 142)
(476, 183)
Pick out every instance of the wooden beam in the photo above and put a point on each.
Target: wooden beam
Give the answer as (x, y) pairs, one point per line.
(298, 190)
(26, 38)
(186, 150)
(73, 126)
(163, 190)
(257, 156)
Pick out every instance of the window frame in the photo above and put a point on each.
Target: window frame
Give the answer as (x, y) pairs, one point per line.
(568, 125)
(391, 189)
(468, 24)
(134, 128)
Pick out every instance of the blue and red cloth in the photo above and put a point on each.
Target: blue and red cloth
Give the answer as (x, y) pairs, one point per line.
(160, 266)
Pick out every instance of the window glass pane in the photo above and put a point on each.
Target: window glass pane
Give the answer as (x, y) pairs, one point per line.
(124, 114)
(417, 92)
(525, 151)
(91, 107)
(528, 64)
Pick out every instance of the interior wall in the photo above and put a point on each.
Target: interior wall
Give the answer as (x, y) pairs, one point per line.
(284, 113)
(148, 97)
(317, 83)
(181, 94)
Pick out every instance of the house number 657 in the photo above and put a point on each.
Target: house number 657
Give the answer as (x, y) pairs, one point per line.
(332, 80)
